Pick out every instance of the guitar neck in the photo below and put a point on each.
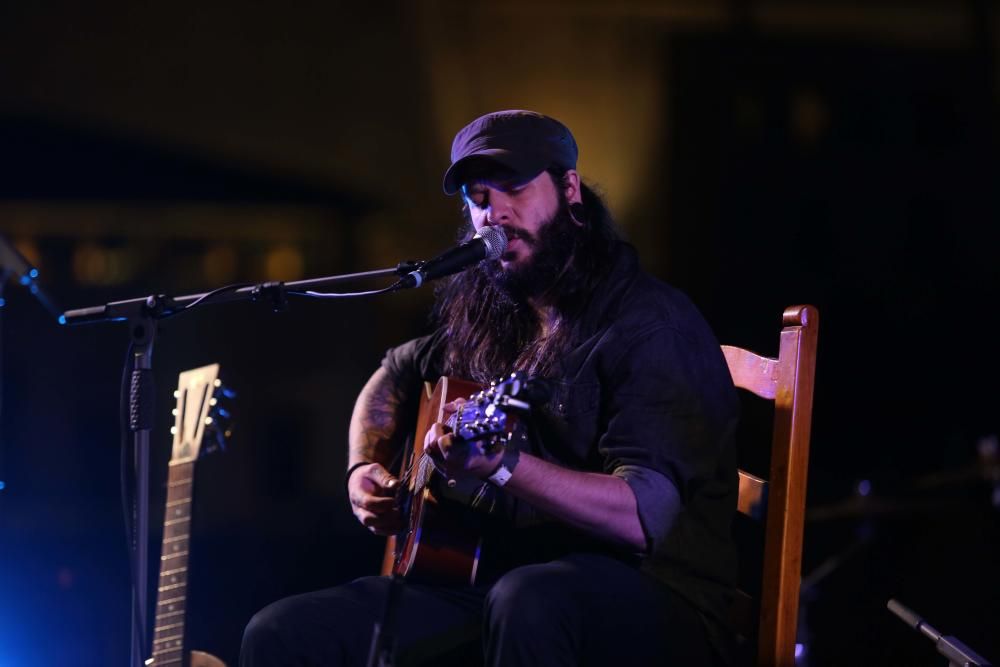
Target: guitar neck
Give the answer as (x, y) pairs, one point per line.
(171, 596)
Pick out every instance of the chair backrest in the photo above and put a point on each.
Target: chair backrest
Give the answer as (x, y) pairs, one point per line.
(780, 500)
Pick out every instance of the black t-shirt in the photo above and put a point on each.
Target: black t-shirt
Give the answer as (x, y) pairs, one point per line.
(645, 394)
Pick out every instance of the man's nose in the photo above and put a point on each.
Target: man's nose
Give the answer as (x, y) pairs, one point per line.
(499, 208)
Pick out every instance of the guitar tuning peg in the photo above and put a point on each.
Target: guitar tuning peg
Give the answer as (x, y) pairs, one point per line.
(216, 435)
(223, 391)
(219, 443)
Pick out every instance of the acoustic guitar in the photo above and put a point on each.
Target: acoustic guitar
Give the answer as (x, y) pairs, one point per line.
(199, 416)
(442, 538)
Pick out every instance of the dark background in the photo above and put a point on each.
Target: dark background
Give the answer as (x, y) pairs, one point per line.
(760, 154)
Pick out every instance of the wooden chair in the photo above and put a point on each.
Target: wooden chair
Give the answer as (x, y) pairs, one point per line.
(780, 501)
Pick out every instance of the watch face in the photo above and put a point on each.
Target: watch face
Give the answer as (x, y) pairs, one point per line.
(501, 476)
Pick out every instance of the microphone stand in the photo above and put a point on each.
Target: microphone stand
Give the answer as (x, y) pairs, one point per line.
(161, 306)
(382, 652)
(957, 653)
(142, 315)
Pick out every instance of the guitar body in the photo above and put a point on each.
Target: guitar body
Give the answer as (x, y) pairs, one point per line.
(202, 659)
(440, 544)
(442, 540)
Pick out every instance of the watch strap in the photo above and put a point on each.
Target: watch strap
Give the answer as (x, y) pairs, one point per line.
(505, 470)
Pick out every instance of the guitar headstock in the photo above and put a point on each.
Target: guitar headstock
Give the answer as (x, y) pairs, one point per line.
(485, 414)
(200, 414)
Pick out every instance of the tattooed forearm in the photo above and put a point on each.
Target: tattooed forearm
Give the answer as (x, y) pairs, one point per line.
(375, 422)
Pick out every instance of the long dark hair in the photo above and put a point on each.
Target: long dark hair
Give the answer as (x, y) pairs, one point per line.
(491, 330)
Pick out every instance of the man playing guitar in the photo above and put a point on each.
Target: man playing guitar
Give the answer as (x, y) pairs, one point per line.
(606, 540)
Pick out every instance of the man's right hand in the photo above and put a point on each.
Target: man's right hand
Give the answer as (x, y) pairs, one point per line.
(372, 492)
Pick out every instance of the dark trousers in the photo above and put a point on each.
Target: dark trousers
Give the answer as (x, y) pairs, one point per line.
(584, 609)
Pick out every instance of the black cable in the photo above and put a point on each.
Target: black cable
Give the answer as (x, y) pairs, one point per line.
(316, 295)
(205, 297)
(346, 295)
(216, 292)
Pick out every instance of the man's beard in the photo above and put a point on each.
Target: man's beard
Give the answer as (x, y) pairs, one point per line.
(550, 253)
(491, 325)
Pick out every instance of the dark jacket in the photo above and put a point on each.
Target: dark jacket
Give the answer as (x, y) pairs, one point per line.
(645, 394)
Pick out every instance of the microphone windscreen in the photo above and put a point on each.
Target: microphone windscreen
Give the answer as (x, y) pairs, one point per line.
(495, 240)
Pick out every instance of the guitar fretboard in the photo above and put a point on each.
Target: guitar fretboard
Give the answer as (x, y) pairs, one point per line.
(171, 596)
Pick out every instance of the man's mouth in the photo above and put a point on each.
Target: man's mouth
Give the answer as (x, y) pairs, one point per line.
(515, 246)
(515, 234)
(518, 241)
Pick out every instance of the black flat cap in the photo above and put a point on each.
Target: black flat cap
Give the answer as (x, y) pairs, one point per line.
(525, 142)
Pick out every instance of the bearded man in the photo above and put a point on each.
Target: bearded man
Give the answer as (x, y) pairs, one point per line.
(610, 544)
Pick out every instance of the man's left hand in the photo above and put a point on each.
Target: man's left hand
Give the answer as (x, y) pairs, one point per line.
(454, 457)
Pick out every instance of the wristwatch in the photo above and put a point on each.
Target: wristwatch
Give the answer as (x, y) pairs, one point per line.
(505, 470)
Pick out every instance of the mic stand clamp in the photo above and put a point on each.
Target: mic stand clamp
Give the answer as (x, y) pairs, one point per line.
(155, 307)
(275, 291)
(408, 266)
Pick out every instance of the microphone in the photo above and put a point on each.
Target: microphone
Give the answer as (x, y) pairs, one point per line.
(489, 243)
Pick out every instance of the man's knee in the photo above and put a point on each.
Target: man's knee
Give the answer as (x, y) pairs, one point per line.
(294, 629)
(531, 596)
(327, 627)
(263, 635)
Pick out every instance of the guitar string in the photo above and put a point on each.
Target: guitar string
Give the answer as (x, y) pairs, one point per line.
(407, 473)
(426, 466)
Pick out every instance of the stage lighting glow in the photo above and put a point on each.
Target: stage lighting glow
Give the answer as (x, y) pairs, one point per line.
(15, 642)
(864, 487)
(284, 262)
